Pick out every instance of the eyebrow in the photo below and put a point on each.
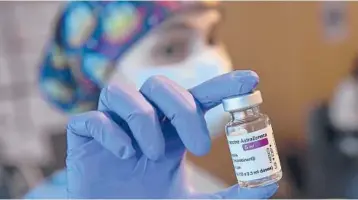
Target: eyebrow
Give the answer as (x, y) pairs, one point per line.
(176, 26)
(181, 26)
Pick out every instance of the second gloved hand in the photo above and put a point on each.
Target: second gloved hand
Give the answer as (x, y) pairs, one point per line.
(133, 145)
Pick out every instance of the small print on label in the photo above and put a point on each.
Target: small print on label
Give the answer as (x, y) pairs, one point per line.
(254, 155)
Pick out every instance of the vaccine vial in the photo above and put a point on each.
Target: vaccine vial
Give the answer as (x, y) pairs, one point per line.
(251, 142)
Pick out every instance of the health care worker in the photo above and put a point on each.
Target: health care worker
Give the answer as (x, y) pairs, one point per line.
(142, 75)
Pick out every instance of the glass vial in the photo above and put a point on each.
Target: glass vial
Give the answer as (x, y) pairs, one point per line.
(251, 142)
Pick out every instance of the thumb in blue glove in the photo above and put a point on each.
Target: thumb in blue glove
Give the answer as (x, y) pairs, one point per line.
(134, 144)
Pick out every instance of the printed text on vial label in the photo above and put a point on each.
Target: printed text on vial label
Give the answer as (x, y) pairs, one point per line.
(254, 155)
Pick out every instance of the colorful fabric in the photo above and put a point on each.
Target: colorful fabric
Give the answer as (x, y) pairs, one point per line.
(90, 37)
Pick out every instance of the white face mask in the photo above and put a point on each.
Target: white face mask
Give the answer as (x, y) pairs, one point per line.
(204, 63)
(189, 73)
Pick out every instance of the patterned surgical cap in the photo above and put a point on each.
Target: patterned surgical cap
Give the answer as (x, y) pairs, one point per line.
(89, 39)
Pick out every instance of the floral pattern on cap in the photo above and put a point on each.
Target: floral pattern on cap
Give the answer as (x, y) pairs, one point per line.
(90, 38)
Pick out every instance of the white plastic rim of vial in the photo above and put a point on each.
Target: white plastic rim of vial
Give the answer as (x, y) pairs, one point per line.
(242, 102)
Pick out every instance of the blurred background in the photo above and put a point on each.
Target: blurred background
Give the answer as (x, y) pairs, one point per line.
(304, 52)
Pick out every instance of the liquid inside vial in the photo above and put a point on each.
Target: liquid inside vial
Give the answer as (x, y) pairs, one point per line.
(253, 149)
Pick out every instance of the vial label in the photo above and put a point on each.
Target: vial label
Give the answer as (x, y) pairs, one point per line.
(254, 155)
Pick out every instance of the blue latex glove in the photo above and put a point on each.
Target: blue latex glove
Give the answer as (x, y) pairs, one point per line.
(133, 145)
(53, 188)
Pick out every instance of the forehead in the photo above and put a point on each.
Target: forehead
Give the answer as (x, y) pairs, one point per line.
(193, 19)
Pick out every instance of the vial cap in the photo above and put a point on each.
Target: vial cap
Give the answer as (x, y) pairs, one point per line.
(242, 102)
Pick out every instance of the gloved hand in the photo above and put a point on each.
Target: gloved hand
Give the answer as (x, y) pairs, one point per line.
(52, 188)
(133, 145)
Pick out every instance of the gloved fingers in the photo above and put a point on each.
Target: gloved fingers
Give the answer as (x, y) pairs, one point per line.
(138, 113)
(210, 93)
(96, 125)
(179, 106)
(235, 192)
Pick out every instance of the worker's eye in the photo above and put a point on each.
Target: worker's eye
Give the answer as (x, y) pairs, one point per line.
(174, 50)
(212, 37)
(171, 50)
